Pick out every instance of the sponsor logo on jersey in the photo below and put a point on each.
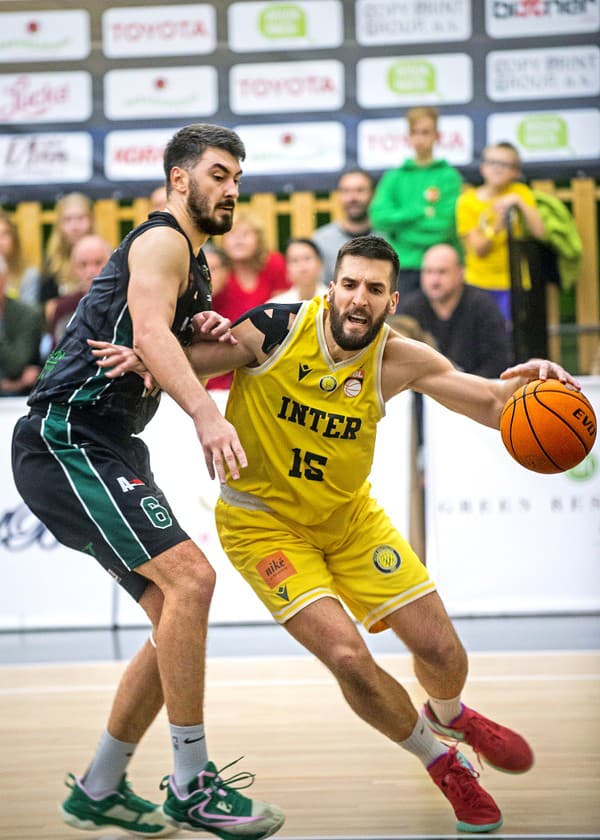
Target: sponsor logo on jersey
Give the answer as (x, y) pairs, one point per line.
(274, 569)
(328, 383)
(386, 559)
(128, 484)
(303, 370)
(353, 385)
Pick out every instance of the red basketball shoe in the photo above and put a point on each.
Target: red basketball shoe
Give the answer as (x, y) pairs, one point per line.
(497, 745)
(474, 808)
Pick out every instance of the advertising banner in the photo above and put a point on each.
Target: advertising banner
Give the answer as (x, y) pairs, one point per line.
(47, 585)
(313, 86)
(500, 538)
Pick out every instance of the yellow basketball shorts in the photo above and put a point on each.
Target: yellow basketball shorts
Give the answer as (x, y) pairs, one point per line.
(356, 556)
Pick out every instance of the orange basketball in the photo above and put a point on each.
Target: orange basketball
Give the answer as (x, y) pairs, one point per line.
(548, 427)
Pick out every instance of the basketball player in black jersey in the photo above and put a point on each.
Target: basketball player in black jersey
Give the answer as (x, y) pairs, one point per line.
(81, 469)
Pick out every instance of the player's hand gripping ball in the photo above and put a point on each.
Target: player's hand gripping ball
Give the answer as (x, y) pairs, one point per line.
(548, 427)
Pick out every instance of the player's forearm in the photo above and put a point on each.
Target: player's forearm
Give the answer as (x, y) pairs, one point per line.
(166, 360)
(213, 358)
(500, 392)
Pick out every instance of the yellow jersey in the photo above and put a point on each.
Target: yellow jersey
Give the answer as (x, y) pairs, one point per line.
(306, 422)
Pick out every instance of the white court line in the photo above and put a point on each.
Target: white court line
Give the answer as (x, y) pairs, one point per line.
(281, 683)
(495, 836)
(301, 655)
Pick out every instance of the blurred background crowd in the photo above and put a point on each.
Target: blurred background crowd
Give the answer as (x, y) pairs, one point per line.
(463, 247)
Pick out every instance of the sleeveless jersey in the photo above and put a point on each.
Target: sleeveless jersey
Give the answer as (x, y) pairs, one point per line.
(307, 423)
(71, 375)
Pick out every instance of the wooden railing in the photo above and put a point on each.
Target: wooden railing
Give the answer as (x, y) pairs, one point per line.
(113, 219)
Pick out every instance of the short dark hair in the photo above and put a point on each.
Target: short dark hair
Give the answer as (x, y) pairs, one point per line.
(301, 240)
(356, 170)
(373, 248)
(187, 146)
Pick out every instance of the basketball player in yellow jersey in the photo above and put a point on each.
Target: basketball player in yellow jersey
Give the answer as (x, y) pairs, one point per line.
(301, 527)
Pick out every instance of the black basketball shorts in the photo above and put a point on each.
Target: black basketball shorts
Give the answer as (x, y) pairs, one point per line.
(95, 493)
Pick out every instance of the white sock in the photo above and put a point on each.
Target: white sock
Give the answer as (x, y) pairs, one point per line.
(108, 765)
(189, 753)
(446, 710)
(423, 743)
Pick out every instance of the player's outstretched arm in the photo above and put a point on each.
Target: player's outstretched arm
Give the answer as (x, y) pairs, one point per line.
(417, 366)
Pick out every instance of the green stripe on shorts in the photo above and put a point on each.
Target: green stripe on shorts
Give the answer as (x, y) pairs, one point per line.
(90, 489)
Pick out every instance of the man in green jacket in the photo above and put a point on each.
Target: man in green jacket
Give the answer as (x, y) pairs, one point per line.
(414, 204)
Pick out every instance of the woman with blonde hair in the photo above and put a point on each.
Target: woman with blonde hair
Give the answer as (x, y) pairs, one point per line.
(22, 280)
(256, 274)
(74, 219)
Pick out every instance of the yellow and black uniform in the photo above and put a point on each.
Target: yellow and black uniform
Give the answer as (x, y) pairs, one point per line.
(299, 524)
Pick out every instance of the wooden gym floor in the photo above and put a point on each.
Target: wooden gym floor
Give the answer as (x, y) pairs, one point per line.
(334, 777)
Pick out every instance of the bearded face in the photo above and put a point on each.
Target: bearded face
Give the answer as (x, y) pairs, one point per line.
(355, 328)
(212, 220)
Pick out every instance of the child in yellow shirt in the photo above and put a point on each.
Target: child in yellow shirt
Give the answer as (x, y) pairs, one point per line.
(481, 221)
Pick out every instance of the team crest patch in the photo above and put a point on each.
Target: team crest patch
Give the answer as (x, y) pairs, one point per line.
(386, 559)
(353, 385)
(274, 569)
(328, 383)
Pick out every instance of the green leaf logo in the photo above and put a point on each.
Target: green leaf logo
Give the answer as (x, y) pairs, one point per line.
(411, 77)
(284, 20)
(585, 470)
(543, 132)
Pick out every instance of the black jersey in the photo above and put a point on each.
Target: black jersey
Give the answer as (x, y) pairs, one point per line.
(71, 375)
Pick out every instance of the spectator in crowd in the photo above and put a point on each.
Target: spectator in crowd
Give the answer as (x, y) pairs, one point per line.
(74, 219)
(157, 199)
(256, 274)
(482, 217)
(355, 190)
(218, 265)
(23, 280)
(466, 324)
(20, 334)
(88, 257)
(414, 205)
(304, 270)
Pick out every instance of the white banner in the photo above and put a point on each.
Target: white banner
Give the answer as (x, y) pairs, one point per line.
(286, 86)
(51, 158)
(44, 36)
(549, 73)
(159, 30)
(407, 22)
(160, 92)
(47, 585)
(45, 97)
(267, 27)
(549, 135)
(533, 18)
(502, 539)
(44, 584)
(136, 154)
(399, 81)
(293, 147)
(384, 144)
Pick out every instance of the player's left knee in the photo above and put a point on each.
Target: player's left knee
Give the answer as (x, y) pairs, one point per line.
(443, 653)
